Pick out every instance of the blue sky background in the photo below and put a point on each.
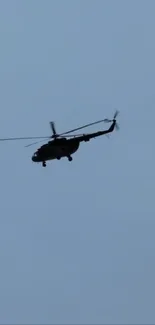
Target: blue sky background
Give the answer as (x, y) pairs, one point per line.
(77, 239)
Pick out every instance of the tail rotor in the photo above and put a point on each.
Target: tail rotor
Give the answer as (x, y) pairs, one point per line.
(113, 120)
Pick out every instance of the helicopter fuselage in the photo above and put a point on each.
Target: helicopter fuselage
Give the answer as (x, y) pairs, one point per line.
(62, 147)
(56, 149)
(64, 144)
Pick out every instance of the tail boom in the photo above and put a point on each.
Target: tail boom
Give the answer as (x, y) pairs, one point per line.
(88, 137)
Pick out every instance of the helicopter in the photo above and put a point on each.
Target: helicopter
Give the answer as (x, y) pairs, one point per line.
(64, 144)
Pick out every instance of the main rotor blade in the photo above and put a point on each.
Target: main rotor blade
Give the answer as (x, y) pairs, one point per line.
(82, 127)
(68, 136)
(107, 120)
(52, 124)
(24, 138)
(31, 144)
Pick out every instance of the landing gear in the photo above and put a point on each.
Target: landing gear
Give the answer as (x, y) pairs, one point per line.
(44, 163)
(70, 158)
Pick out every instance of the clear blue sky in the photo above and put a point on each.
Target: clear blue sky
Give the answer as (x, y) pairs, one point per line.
(77, 239)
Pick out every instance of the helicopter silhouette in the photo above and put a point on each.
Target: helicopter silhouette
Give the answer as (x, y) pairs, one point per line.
(64, 144)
